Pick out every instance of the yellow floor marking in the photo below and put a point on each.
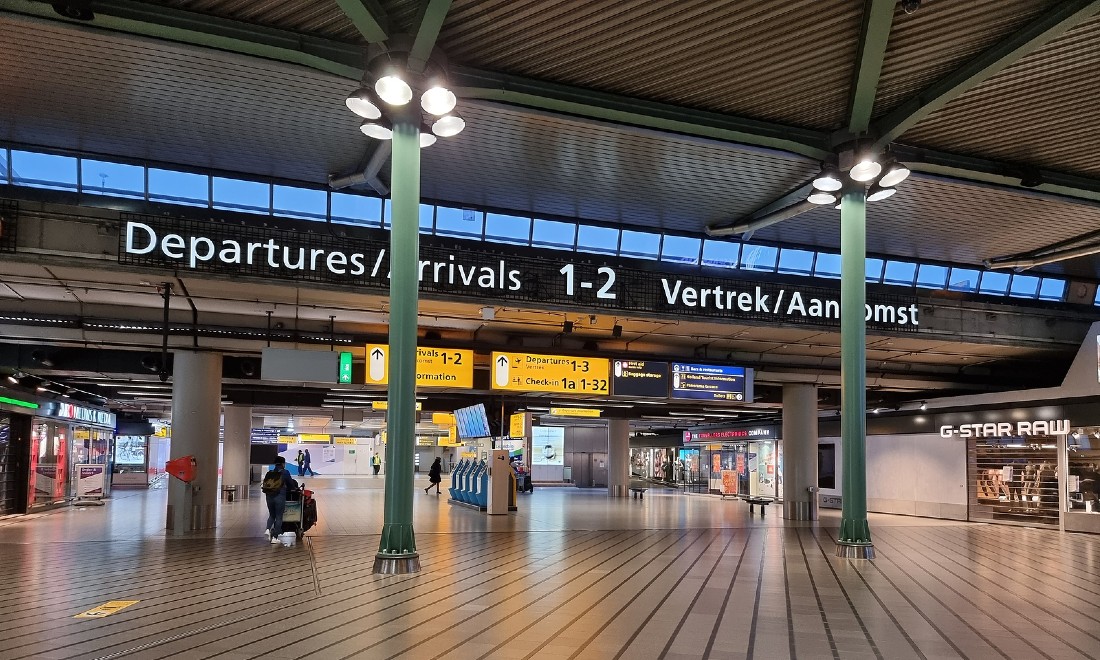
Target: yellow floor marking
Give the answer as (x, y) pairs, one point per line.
(106, 609)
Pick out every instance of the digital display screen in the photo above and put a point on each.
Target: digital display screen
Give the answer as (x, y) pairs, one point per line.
(130, 450)
(639, 378)
(472, 422)
(710, 382)
(548, 445)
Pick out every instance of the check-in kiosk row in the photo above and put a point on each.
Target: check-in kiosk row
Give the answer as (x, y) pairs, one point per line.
(485, 486)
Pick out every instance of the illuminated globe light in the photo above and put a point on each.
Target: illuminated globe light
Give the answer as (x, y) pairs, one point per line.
(828, 180)
(879, 193)
(438, 101)
(393, 90)
(449, 125)
(376, 130)
(895, 174)
(821, 197)
(427, 140)
(361, 104)
(865, 170)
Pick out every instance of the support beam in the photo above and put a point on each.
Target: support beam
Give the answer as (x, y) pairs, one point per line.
(369, 174)
(149, 20)
(1053, 23)
(789, 205)
(368, 17)
(429, 20)
(878, 17)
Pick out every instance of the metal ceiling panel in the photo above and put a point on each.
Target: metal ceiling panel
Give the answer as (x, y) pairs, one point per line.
(778, 60)
(111, 94)
(322, 18)
(559, 166)
(1039, 111)
(940, 37)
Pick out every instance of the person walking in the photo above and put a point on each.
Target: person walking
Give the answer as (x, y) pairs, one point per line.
(307, 467)
(376, 463)
(434, 475)
(277, 482)
(300, 461)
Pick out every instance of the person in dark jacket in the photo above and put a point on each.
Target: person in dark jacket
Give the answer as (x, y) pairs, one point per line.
(276, 502)
(434, 475)
(306, 467)
(300, 461)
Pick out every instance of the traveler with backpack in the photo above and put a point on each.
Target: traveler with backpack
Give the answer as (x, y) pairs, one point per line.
(277, 482)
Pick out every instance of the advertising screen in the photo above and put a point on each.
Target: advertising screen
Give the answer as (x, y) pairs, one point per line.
(711, 382)
(130, 450)
(472, 422)
(548, 445)
(639, 378)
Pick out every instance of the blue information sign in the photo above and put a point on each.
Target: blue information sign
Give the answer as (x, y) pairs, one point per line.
(709, 382)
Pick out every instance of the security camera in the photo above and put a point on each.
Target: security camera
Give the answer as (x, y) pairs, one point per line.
(910, 6)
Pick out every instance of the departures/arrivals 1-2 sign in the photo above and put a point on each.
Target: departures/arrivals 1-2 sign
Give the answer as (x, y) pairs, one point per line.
(468, 269)
(526, 372)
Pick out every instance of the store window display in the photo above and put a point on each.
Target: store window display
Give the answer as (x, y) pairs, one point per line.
(1083, 462)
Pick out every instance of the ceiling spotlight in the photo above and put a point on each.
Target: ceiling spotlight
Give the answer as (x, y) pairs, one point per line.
(877, 193)
(828, 179)
(821, 197)
(438, 101)
(12, 379)
(865, 170)
(376, 130)
(875, 410)
(1031, 178)
(40, 389)
(361, 102)
(393, 90)
(427, 139)
(923, 405)
(895, 173)
(448, 125)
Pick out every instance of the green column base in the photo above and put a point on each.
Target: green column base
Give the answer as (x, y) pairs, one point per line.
(397, 550)
(854, 541)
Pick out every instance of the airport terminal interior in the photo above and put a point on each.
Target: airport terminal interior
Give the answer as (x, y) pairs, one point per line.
(621, 329)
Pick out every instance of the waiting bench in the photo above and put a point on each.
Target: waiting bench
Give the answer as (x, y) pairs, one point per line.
(762, 501)
(637, 492)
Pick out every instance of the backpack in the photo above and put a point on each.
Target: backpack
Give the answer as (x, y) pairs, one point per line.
(273, 482)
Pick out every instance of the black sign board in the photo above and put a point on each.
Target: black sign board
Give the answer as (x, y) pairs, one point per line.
(639, 378)
(710, 382)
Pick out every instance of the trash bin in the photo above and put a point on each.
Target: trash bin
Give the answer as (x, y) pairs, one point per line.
(814, 501)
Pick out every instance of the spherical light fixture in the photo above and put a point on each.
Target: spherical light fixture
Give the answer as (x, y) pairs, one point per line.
(426, 139)
(828, 179)
(878, 192)
(865, 170)
(821, 197)
(449, 125)
(376, 130)
(361, 102)
(895, 174)
(438, 101)
(393, 90)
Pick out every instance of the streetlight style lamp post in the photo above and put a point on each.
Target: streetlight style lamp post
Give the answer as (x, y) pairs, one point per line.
(385, 101)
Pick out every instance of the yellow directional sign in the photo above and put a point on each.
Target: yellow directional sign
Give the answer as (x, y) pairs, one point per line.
(385, 405)
(575, 412)
(343, 440)
(443, 419)
(314, 437)
(106, 609)
(525, 372)
(435, 367)
(517, 425)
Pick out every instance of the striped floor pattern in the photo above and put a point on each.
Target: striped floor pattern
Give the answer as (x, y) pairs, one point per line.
(547, 583)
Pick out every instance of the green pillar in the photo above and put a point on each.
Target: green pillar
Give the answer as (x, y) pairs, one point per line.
(397, 548)
(854, 541)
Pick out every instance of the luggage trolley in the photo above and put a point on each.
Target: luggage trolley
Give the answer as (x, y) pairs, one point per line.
(301, 511)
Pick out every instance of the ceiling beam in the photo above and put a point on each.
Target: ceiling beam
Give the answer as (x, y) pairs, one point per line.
(878, 17)
(150, 20)
(1054, 22)
(789, 205)
(429, 21)
(368, 17)
(563, 99)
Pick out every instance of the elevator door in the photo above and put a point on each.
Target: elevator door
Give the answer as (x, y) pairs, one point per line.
(590, 469)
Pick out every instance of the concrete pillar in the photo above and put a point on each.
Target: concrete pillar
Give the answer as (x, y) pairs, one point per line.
(236, 443)
(799, 450)
(196, 417)
(618, 457)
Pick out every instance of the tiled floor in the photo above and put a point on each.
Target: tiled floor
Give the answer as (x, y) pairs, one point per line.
(573, 575)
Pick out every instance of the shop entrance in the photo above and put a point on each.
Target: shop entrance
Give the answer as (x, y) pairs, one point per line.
(1013, 480)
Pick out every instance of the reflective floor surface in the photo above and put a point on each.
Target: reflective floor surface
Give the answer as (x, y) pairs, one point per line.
(573, 574)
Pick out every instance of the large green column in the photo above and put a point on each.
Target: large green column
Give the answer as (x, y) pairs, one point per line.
(397, 548)
(854, 541)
